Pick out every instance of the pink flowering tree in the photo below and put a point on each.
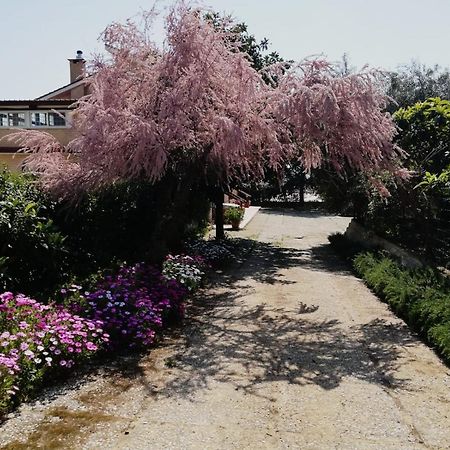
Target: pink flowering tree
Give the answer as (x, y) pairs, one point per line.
(197, 102)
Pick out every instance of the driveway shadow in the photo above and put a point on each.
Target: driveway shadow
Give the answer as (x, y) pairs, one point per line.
(267, 261)
(250, 346)
(227, 340)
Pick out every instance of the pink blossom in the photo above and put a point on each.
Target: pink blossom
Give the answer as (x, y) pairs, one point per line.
(197, 98)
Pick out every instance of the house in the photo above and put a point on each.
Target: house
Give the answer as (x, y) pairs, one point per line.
(50, 112)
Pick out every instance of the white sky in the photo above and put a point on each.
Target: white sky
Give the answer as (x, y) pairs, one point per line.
(39, 36)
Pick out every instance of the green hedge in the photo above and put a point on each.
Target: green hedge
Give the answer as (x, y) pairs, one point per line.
(131, 221)
(33, 251)
(44, 243)
(420, 297)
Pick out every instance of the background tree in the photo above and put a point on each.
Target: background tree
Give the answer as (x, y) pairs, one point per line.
(416, 82)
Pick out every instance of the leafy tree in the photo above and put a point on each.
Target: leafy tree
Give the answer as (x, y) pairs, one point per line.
(415, 83)
(256, 51)
(198, 105)
(425, 134)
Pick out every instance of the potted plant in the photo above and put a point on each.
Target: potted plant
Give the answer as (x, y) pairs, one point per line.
(234, 216)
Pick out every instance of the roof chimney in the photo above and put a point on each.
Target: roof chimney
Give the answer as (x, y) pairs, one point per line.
(77, 67)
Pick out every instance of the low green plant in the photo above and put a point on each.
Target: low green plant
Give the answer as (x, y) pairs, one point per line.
(233, 214)
(420, 296)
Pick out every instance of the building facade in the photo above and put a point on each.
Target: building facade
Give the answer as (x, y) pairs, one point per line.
(51, 112)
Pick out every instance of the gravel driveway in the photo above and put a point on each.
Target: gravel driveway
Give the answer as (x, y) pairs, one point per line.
(287, 350)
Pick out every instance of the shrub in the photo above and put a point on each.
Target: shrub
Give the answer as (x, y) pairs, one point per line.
(344, 246)
(132, 304)
(144, 221)
(233, 214)
(187, 270)
(38, 340)
(425, 134)
(421, 297)
(33, 251)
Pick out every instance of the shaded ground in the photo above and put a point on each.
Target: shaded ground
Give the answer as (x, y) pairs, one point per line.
(288, 350)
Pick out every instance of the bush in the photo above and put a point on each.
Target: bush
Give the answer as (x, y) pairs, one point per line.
(143, 221)
(187, 270)
(233, 214)
(344, 246)
(421, 297)
(38, 340)
(133, 304)
(33, 251)
(425, 134)
(417, 213)
(43, 243)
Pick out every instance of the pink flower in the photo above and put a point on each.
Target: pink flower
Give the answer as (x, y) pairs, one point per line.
(6, 296)
(91, 346)
(29, 353)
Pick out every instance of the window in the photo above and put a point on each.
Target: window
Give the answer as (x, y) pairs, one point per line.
(57, 119)
(12, 119)
(38, 119)
(32, 119)
(16, 119)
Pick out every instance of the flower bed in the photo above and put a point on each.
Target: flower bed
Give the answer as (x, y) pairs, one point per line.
(127, 308)
(187, 270)
(133, 304)
(216, 253)
(37, 340)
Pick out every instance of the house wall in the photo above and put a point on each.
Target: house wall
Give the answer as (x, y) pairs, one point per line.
(14, 160)
(71, 94)
(63, 135)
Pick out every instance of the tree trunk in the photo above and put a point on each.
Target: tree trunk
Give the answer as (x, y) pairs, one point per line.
(220, 232)
(302, 189)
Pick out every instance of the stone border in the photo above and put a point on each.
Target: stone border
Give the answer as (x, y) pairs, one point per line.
(367, 238)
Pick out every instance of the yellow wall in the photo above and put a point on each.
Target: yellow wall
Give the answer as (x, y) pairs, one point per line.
(13, 161)
(63, 135)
